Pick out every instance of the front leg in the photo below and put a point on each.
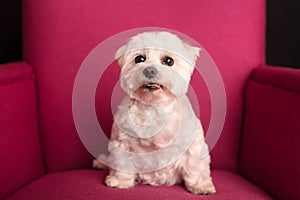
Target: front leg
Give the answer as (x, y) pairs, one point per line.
(196, 172)
(119, 179)
(203, 185)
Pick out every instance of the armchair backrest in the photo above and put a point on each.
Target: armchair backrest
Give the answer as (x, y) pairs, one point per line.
(58, 35)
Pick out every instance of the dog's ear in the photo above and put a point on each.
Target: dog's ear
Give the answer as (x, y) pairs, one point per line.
(119, 55)
(194, 52)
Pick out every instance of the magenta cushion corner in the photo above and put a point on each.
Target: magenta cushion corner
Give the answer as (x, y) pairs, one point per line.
(89, 184)
(20, 152)
(270, 150)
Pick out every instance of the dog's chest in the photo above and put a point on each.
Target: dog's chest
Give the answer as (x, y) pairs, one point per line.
(145, 116)
(154, 126)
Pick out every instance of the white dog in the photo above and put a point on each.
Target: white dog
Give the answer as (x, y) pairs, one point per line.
(156, 138)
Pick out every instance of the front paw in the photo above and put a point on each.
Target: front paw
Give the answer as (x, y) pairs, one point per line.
(112, 181)
(203, 189)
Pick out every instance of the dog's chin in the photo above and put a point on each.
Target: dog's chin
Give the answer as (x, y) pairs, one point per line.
(153, 93)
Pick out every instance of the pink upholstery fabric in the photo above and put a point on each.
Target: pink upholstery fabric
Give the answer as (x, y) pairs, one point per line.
(20, 153)
(270, 153)
(58, 35)
(280, 77)
(88, 184)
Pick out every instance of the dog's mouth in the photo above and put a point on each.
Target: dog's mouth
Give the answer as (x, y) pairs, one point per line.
(152, 86)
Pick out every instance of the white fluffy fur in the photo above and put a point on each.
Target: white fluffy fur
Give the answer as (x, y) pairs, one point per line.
(149, 121)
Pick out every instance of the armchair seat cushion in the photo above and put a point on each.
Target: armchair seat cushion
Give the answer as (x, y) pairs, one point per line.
(89, 184)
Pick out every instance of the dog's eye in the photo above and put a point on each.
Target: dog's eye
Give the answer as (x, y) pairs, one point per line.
(140, 59)
(168, 61)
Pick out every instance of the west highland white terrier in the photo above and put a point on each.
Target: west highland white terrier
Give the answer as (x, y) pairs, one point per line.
(156, 138)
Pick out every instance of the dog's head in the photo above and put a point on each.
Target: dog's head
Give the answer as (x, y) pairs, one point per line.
(156, 66)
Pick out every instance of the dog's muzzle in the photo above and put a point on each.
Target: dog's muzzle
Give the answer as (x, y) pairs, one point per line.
(150, 72)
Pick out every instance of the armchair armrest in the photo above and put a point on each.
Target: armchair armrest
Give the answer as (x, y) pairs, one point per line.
(20, 152)
(270, 149)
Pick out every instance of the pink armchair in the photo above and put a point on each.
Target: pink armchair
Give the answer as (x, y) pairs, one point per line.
(41, 154)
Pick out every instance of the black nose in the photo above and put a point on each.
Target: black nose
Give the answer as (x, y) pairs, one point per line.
(150, 72)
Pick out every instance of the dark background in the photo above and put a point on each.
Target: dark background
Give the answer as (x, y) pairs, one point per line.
(11, 30)
(282, 42)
